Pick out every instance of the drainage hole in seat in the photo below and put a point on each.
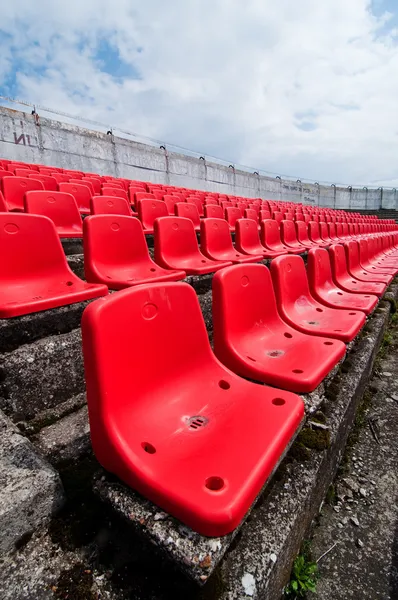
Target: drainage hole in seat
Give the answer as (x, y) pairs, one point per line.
(319, 310)
(203, 261)
(278, 401)
(288, 335)
(328, 343)
(69, 283)
(352, 314)
(224, 385)
(214, 484)
(298, 371)
(197, 422)
(148, 448)
(153, 270)
(251, 358)
(337, 329)
(339, 293)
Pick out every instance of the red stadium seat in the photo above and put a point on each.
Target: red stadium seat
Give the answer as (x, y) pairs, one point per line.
(115, 253)
(148, 211)
(213, 211)
(216, 243)
(22, 172)
(325, 290)
(14, 189)
(118, 192)
(289, 236)
(315, 236)
(355, 268)
(247, 240)
(347, 282)
(81, 194)
(110, 205)
(251, 339)
(60, 207)
(373, 267)
(48, 181)
(189, 211)
(232, 214)
(148, 362)
(271, 239)
(176, 247)
(60, 177)
(301, 311)
(34, 272)
(3, 205)
(95, 182)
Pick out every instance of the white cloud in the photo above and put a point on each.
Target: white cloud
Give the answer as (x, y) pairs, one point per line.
(303, 88)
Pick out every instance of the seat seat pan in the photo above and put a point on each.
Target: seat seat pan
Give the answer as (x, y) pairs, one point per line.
(117, 278)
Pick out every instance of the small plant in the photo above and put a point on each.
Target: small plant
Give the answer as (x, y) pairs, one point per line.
(303, 577)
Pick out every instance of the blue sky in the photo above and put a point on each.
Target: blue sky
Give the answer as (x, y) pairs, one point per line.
(307, 88)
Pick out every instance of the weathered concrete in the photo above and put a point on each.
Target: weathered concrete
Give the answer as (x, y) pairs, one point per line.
(76, 263)
(17, 331)
(30, 490)
(72, 246)
(359, 527)
(67, 146)
(31, 378)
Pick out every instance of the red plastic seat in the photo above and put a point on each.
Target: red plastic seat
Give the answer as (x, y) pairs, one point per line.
(60, 177)
(84, 182)
(264, 215)
(289, 236)
(115, 253)
(232, 214)
(247, 240)
(48, 181)
(3, 205)
(251, 339)
(354, 267)
(95, 182)
(22, 172)
(373, 267)
(271, 238)
(110, 205)
(298, 308)
(165, 415)
(315, 236)
(148, 211)
(302, 235)
(81, 194)
(34, 272)
(60, 207)
(118, 192)
(213, 211)
(176, 247)
(347, 282)
(15, 188)
(188, 211)
(216, 243)
(325, 290)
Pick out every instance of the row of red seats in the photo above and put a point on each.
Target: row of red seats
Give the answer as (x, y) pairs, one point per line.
(282, 327)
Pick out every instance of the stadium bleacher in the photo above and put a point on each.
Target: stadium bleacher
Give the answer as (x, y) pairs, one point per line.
(148, 359)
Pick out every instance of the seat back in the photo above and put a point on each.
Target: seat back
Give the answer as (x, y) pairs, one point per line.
(3, 205)
(302, 231)
(117, 192)
(81, 194)
(252, 214)
(290, 281)
(48, 181)
(288, 233)
(149, 210)
(232, 214)
(213, 211)
(175, 237)
(189, 211)
(95, 182)
(243, 298)
(313, 231)
(112, 241)
(31, 250)
(215, 236)
(84, 182)
(319, 270)
(60, 207)
(323, 230)
(247, 238)
(352, 254)
(15, 188)
(264, 214)
(110, 205)
(270, 233)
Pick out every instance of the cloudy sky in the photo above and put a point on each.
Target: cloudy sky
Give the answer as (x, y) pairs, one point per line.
(307, 88)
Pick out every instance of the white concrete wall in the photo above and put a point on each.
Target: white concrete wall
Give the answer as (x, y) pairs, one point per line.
(63, 145)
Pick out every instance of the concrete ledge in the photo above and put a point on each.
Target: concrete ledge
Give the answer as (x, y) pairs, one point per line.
(76, 263)
(30, 490)
(72, 246)
(17, 331)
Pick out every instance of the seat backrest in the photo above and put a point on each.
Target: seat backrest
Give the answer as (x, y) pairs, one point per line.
(117, 192)
(270, 233)
(241, 308)
(338, 261)
(60, 207)
(81, 193)
(319, 270)
(247, 237)
(331, 230)
(251, 213)
(123, 342)
(313, 231)
(174, 237)
(302, 231)
(323, 230)
(149, 210)
(109, 205)
(232, 214)
(14, 189)
(30, 249)
(344, 229)
(352, 254)
(288, 232)
(95, 182)
(3, 205)
(214, 211)
(83, 181)
(60, 177)
(264, 215)
(48, 181)
(197, 202)
(114, 241)
(23, 172)
(363, 250)
(215, 236)
(189, 211)
(290, 281)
